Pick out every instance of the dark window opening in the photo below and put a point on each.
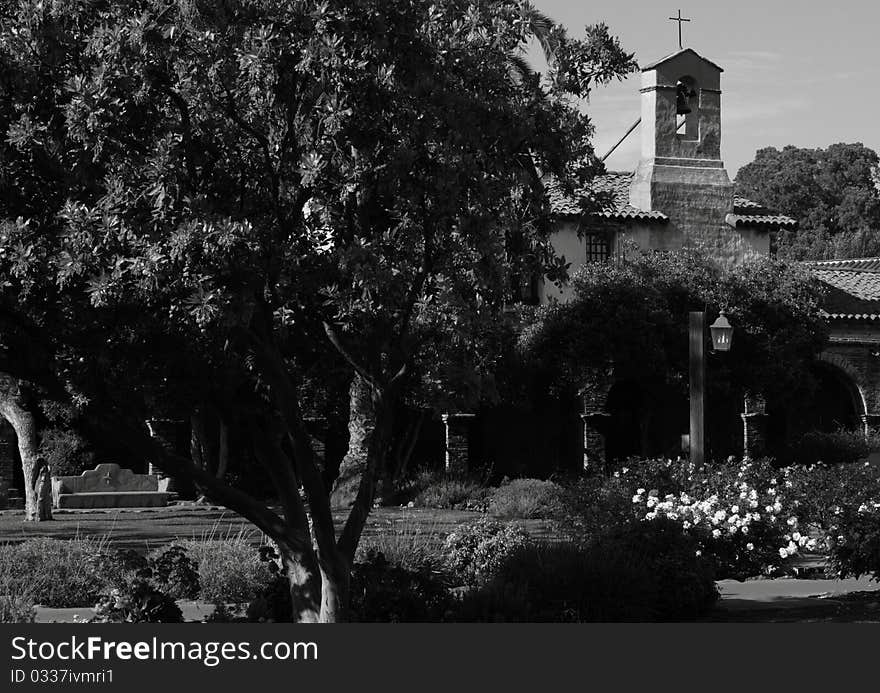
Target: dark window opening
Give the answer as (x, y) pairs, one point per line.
(598, 247)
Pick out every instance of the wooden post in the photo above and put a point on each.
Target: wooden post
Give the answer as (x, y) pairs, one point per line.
(697, 341)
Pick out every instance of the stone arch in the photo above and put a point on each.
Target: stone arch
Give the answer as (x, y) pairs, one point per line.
(851, 379)
(645, 418)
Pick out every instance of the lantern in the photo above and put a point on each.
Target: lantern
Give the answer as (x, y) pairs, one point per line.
(722, 333)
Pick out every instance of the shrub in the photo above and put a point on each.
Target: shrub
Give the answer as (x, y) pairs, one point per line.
(684, 582)
(823, 491)
(527, 499)
(841, 503)
(66, 452)
(16, 609)
(385, 593)
(230, 570)
(141, 602)
(475, 552)
(408, 488)
(854, 544)
(174, 572)
(454, 493)
(169, 570)
(54, 572)
(273, 604)
(120, 568)
(561, 583)
(638, 572)
(833, 448)
(739, 514)
(16, 598)
(379, 592)
(595, 503)
(406, 544)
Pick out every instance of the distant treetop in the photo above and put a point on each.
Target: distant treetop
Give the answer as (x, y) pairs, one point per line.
(833, 193)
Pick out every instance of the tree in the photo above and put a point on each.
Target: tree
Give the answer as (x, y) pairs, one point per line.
(832, 193)
(632, 319)
(208, 196)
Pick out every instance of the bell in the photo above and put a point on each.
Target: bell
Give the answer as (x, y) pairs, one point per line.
(682, 98)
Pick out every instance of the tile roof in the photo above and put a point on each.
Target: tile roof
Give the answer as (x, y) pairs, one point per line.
(853, 287)
(748, 213)
(775, 221)
(611, 191)
(859, 264)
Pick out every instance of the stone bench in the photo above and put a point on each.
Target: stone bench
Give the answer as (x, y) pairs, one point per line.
(108, 486)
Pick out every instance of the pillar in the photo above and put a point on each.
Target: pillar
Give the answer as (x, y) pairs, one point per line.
(697, 390)
(457, 433)
(871, 423)
(754, 418)
(595, 424)
(165, 432)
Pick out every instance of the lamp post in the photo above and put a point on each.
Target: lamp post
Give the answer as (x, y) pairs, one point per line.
(722, 336)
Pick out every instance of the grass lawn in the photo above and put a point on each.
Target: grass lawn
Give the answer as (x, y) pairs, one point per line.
(147, 528)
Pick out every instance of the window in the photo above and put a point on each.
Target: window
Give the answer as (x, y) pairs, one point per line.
(597, 247)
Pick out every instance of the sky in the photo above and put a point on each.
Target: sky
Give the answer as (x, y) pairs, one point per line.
(796, 72)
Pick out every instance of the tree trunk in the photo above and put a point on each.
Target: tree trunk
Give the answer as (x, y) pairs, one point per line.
(223, 451)
(304, 581)
(335, 583)
(14, 408)
(378, 446)
(209, 443)
(197, 439)
(361, 424)
(336, 430)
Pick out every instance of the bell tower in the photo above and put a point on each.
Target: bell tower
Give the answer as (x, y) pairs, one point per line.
(680, 171)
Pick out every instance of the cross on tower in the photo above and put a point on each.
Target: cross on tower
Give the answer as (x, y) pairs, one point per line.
(679, 20)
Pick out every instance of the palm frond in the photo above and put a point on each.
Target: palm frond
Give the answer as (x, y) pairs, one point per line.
(519, 66)
(541, 28)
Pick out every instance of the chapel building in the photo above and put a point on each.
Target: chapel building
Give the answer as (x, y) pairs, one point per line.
(680, 196)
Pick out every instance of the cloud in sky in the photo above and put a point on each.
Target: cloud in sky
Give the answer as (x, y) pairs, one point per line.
(743, 110)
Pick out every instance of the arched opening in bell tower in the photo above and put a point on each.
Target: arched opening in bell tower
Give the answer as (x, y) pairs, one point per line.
(687, 94)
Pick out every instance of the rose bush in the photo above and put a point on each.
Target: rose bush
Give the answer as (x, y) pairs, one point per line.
(841, 504)
(742, 514)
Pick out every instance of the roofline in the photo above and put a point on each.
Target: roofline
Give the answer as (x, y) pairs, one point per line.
(872, 270)
(657, 63)
(847, 317)
(831, 263)
(769, 221)
(641, 215)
